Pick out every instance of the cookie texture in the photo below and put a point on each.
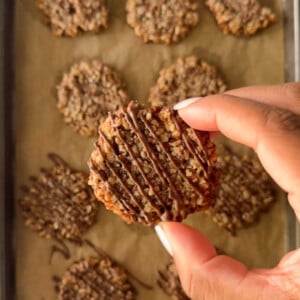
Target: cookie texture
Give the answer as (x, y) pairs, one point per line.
(59, 204)
(71, 17)
(86, 93)
(241, 17)
(188, 77)
(169, 282)
(246, 190)
(148, 166)
(162, 21)
(96, 278)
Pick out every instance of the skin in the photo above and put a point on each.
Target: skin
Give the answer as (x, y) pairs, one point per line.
(267, 119)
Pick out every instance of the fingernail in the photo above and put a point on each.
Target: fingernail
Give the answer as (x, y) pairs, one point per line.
(185, 103)
(160, 233)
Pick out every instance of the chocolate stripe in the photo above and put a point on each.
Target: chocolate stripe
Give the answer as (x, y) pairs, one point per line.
(186, 140)
(177, 168)
(130, 174)
(132, 121)
(132, 156)
(128, 207)
(122, 183)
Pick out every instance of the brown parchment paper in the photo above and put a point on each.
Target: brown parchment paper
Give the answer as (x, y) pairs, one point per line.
(39, 129)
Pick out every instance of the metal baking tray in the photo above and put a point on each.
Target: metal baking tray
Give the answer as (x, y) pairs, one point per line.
(7, 240)
(7, 265)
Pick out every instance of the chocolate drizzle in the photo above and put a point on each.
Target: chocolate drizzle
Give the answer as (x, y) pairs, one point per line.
(140, 168)
(114, 172)
(169, 156)
(57, 160)
(246, 191)
(157, 166)
(56, 282)
(59, 204)
(102, 254)
(201, 160)
(95, 278)
(136, 161)
(99, 286)
(64, 250)
(130, 174)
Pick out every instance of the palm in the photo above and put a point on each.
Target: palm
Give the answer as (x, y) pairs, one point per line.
(270, 115)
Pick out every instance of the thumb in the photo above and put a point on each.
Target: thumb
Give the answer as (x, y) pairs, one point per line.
(206, 275)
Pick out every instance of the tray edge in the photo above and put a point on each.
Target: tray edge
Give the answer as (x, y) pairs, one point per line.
(7, 238)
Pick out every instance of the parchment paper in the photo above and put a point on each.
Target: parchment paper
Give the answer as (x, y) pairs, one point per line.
(41, 58)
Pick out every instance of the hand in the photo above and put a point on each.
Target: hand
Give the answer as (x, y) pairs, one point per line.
(266, 118)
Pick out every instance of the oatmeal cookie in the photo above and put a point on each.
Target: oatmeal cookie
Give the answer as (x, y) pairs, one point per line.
(59, 204)
(149, 166)
(162, 21)
(246, 190)
(169, 282)
(241, 17)
(95, 278)
(188, 77)
(86, 93)
(70, 17)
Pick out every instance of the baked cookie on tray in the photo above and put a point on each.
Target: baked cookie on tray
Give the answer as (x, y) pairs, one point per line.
(87, 93)
(59, 204)
(246, 190)
(95, 278)
(241, 17)
(169, 282)
(71, 17)
(188, 77)
(162, 21)
(149, 166)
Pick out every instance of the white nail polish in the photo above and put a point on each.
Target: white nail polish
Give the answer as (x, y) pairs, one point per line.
(185, 103)
(160, 233)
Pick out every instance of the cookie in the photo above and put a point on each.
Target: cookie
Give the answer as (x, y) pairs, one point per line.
(71, 17)
(241, 17)
(169, 282)
(188, 77)
(86, 93)
(246, 190)
(162, 21)
(59, 204)
(149, 166)
(95, 278)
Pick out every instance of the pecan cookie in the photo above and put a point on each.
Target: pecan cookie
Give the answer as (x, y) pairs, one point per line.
(188, 77)
(162, 21)
(241, 17)
(70, 17)
(169, 282)
(246, 190)
(149, 166)
(95, 278)
(87, 92)
(59, 204)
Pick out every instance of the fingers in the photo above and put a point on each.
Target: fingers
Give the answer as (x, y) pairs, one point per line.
(272, 132)
(204, 275)
(286, 96)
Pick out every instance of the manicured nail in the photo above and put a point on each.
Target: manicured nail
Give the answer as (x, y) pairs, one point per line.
(185, 103)
(160, 233)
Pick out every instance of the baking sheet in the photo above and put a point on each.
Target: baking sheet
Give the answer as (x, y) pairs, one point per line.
(40, 59)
